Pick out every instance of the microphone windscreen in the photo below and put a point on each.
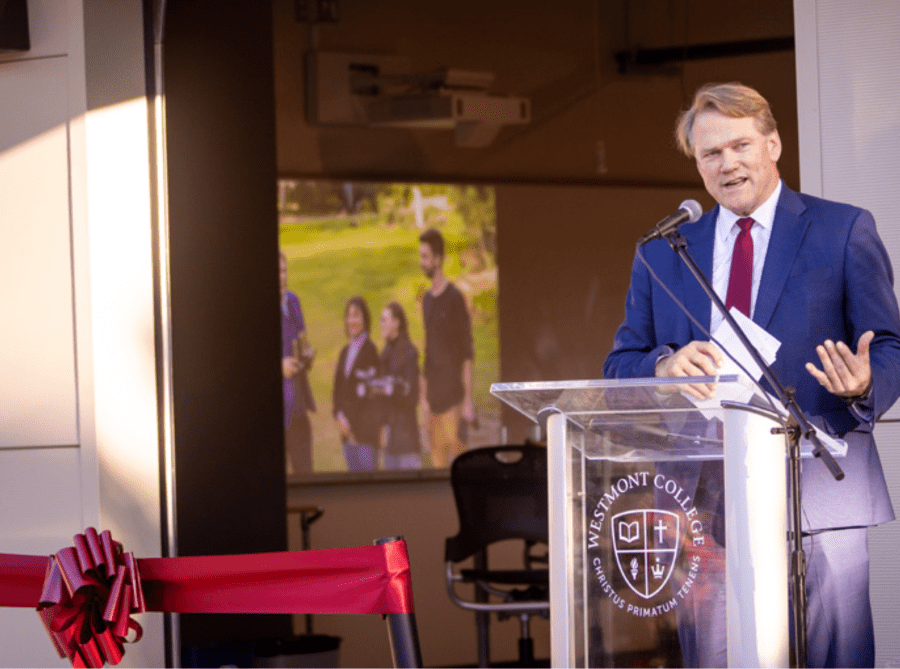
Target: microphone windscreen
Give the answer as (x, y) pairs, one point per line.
(693, 208)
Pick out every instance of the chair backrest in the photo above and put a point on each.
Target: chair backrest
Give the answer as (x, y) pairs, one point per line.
(501, 493)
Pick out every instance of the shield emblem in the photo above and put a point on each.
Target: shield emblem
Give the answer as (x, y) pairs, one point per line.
(646, 544)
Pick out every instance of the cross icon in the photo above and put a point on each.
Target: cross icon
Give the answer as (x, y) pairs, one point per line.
(661, 528)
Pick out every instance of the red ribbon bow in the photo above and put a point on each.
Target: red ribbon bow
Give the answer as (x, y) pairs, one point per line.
(90, 591)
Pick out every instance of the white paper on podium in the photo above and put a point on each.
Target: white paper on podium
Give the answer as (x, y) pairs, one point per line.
(766, 344)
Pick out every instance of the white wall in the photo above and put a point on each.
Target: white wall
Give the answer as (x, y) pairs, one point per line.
(78, 423)
(848, 89)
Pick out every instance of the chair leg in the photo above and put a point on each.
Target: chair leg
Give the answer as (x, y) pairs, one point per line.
(482, 627)
(526, 652)
(526, 643)
(482, 619)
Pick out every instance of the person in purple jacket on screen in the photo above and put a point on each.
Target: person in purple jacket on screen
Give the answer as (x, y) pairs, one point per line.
(296, 360)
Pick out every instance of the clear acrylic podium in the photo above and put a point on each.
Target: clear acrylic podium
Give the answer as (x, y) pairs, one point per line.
(668, 522)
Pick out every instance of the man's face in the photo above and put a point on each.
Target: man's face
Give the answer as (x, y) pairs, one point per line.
(428, 261)
(737, 162)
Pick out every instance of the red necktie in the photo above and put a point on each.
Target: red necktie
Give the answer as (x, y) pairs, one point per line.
(740, 281)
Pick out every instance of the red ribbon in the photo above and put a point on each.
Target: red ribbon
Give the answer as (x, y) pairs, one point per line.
(86, 594)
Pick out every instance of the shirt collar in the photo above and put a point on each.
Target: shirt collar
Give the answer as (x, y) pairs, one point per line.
(764, 215)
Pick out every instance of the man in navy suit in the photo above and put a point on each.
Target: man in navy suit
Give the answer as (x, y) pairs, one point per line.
(822, 284)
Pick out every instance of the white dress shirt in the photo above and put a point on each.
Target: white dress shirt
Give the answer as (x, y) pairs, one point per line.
(727, 231)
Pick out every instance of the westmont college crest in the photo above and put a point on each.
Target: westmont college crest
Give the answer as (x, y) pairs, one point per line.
(646, 543)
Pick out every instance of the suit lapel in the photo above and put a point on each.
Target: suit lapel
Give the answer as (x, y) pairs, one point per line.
(700, 240)
(788, 231)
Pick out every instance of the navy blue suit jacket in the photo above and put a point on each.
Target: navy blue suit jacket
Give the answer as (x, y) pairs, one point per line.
(827, 275)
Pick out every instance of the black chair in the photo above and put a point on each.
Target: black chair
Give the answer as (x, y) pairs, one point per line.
(501, 494)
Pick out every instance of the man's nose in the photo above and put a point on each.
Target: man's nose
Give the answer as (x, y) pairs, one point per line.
(729, 161)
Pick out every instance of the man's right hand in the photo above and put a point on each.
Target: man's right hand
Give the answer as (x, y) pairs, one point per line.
(698, 358)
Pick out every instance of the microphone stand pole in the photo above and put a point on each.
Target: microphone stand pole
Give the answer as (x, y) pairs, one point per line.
(797, 426)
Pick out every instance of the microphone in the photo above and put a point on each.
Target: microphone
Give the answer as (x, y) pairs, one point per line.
(689, 211)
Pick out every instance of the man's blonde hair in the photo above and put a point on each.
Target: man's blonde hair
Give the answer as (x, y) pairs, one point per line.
(732, 99)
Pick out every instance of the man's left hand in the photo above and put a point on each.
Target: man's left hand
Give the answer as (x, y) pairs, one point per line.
(843, 372)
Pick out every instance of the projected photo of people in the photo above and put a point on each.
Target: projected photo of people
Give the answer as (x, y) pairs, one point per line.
(398, 287)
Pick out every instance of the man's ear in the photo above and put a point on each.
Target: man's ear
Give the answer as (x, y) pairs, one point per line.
(773, 145)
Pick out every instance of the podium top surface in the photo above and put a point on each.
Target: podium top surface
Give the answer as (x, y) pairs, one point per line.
(636, 419)
(649, 418)
(596, 398)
